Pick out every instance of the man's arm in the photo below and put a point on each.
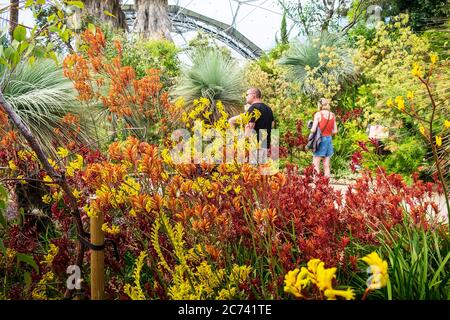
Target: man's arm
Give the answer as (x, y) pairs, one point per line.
(251, 124)
(249, 128)
(233, 120)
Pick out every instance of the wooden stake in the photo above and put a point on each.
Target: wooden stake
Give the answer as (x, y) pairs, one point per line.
(97, 259)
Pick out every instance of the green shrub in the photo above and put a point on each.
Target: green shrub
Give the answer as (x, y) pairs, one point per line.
(407, 157)
(152, 54)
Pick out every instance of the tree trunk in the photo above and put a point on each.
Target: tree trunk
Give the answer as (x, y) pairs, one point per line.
(152, 19)
(13, 16)
(97, 8)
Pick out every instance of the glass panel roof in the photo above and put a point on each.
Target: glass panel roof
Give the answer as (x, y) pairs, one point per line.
(257, 20)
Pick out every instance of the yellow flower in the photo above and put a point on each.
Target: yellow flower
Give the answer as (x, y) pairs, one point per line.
(226, 294)
(400, 103)
(11, 253)
(47, 178)
(23, 181)
(179, 103)
(135, 292)
(325, 277)
(438, 141)
(295, 281)
(113, 230)
(207, 114)
(313, 265)
(39, 292)
(90, 211)
(12, 165)
(47, 199)
(379, 269)
(434, 58)
(389, 103)
(57, 196)
(76, 194)
(348, 294)
(52, 163)
(50, 256)
(417, 70)
(410, 95)
(166, 156)
(422, 130)
(447, 124)
(22, 154)
(63, 153)
(75, 165)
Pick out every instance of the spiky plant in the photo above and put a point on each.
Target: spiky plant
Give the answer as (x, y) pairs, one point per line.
(212, 75)
(42, 96)
(309, 55)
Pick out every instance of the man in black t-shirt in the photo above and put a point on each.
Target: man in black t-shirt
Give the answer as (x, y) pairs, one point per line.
(264, 123)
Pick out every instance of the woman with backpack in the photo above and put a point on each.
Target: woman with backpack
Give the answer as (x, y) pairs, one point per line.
(325, 120)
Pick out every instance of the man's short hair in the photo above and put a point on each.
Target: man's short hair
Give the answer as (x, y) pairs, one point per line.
(257, 92)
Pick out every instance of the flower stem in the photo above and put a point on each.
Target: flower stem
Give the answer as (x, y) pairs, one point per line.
(366, 293)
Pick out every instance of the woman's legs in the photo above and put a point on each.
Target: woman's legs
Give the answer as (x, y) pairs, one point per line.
(326, 166)
(316, 163)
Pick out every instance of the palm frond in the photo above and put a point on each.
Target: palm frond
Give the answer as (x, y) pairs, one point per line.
(212, 75)
(42, 96)
(307, 54)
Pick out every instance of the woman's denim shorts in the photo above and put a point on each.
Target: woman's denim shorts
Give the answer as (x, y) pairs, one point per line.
(325, 148)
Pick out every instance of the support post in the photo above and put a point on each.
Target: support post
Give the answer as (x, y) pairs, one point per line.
(97, 258)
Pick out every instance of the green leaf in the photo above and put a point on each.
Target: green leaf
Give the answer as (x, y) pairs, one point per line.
(15, 58)
(4, 62)
(91, 28)
(65, 35)
(52, 55)
(3, 193)
(51, 18)
(3, 201)
(2, 247)
(2, 219)
(39, 51)
(27, 279)
(78, 4)
(23, 46)
(29, 50)
(9, 51)
(32, 60)
(15, 44)
(40, 2)
(54, 29)
(106, 12)
(20, 33)
(28, 259)
(439, 270)
(29, 3)
(50, 46)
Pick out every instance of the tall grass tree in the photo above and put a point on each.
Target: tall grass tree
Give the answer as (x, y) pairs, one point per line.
(311, 58)
(42, 96)
(215, 76)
